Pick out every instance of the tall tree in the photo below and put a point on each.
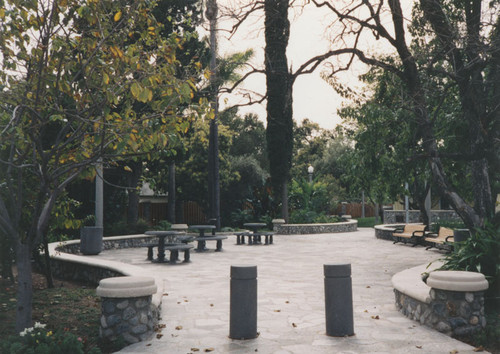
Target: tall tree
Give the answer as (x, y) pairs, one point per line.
(458, 42)
(279, 97)
(70, 79)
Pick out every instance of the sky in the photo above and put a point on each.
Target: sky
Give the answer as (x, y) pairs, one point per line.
(313, 97)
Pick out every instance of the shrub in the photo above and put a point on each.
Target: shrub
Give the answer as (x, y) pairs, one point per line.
(479, 253)
(39, 340)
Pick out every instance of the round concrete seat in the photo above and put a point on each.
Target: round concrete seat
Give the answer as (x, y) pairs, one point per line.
(122, 287)
(457, 280)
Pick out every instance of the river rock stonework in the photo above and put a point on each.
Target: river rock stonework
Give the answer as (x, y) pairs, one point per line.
(304, 229)
(455, 305)
(127, 310)
(131, 319)
(449, 312)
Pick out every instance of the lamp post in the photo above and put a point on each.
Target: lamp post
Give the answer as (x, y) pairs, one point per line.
(310, 171)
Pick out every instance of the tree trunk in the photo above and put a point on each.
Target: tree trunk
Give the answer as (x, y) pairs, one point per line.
(279, 82)
(24, 287)
(213, 146)
(284, 202)
(48, 267)
(6, 258)
(133, 195)
(171, 193)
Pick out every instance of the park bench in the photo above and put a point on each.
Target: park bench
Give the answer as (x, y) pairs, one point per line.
(412, 233)
(174, 249)
(240, 237)
(254, 238)
(203, 239)
(442, 239)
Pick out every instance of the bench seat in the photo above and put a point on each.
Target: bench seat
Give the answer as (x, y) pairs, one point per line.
(412, 233)
(174, 249)
(442, 239)
(203, 239)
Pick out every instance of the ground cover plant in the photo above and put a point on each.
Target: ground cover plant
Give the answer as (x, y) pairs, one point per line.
(70, 313)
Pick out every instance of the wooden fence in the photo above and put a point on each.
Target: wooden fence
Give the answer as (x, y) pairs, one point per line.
(190, 213)
(354, 209)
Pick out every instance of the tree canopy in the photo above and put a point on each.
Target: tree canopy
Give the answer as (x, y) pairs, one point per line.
(453, 58)
(74, 77)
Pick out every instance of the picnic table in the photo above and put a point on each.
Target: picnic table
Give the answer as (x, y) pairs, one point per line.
(255, 237)
(202, 238)
(174, 248)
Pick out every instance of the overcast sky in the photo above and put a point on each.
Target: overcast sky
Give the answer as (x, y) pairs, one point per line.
(313, 98)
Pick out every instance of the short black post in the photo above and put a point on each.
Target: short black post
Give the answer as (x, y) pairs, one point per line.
(243, 302)
(338, 300)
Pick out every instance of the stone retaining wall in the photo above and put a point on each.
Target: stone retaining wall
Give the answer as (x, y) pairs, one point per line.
(399, 216)
(449, 312)
(451, 302)
(129, 318)
(385, 231)
(69, 264)
(116, 242)
(81, 271)
(304, 229)
(85, 272)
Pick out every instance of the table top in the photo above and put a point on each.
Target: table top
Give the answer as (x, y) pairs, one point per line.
(204, 227)
(254, 224)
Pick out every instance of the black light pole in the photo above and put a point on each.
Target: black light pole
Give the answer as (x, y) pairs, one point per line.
(213, 145)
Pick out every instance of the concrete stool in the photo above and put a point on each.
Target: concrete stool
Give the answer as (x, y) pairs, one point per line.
(126, 308)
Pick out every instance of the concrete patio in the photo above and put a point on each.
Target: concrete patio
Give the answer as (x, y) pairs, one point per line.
(291, 319)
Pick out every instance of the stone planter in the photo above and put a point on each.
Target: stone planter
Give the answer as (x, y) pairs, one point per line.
(452, 302)
(91, 240)
(126, 308)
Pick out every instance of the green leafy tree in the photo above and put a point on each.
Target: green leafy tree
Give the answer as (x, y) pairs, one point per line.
(456, 43)
(71, 79)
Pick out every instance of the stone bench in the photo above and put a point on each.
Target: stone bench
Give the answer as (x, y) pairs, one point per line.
(255, 238)
(203, 239)
(174, 249)
(240, 237)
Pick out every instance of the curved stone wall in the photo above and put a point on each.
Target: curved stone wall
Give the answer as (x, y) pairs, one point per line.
(68, 264)
(385, 231)
(454, 313)
(305, 229)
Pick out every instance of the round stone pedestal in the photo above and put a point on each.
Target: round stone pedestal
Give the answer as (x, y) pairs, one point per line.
(126, 308)
(457, 301)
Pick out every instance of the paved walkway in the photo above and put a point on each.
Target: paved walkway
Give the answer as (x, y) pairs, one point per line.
(291, 318)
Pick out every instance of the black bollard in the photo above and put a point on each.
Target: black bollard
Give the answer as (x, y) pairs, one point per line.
(243, 302)
(338, 300)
